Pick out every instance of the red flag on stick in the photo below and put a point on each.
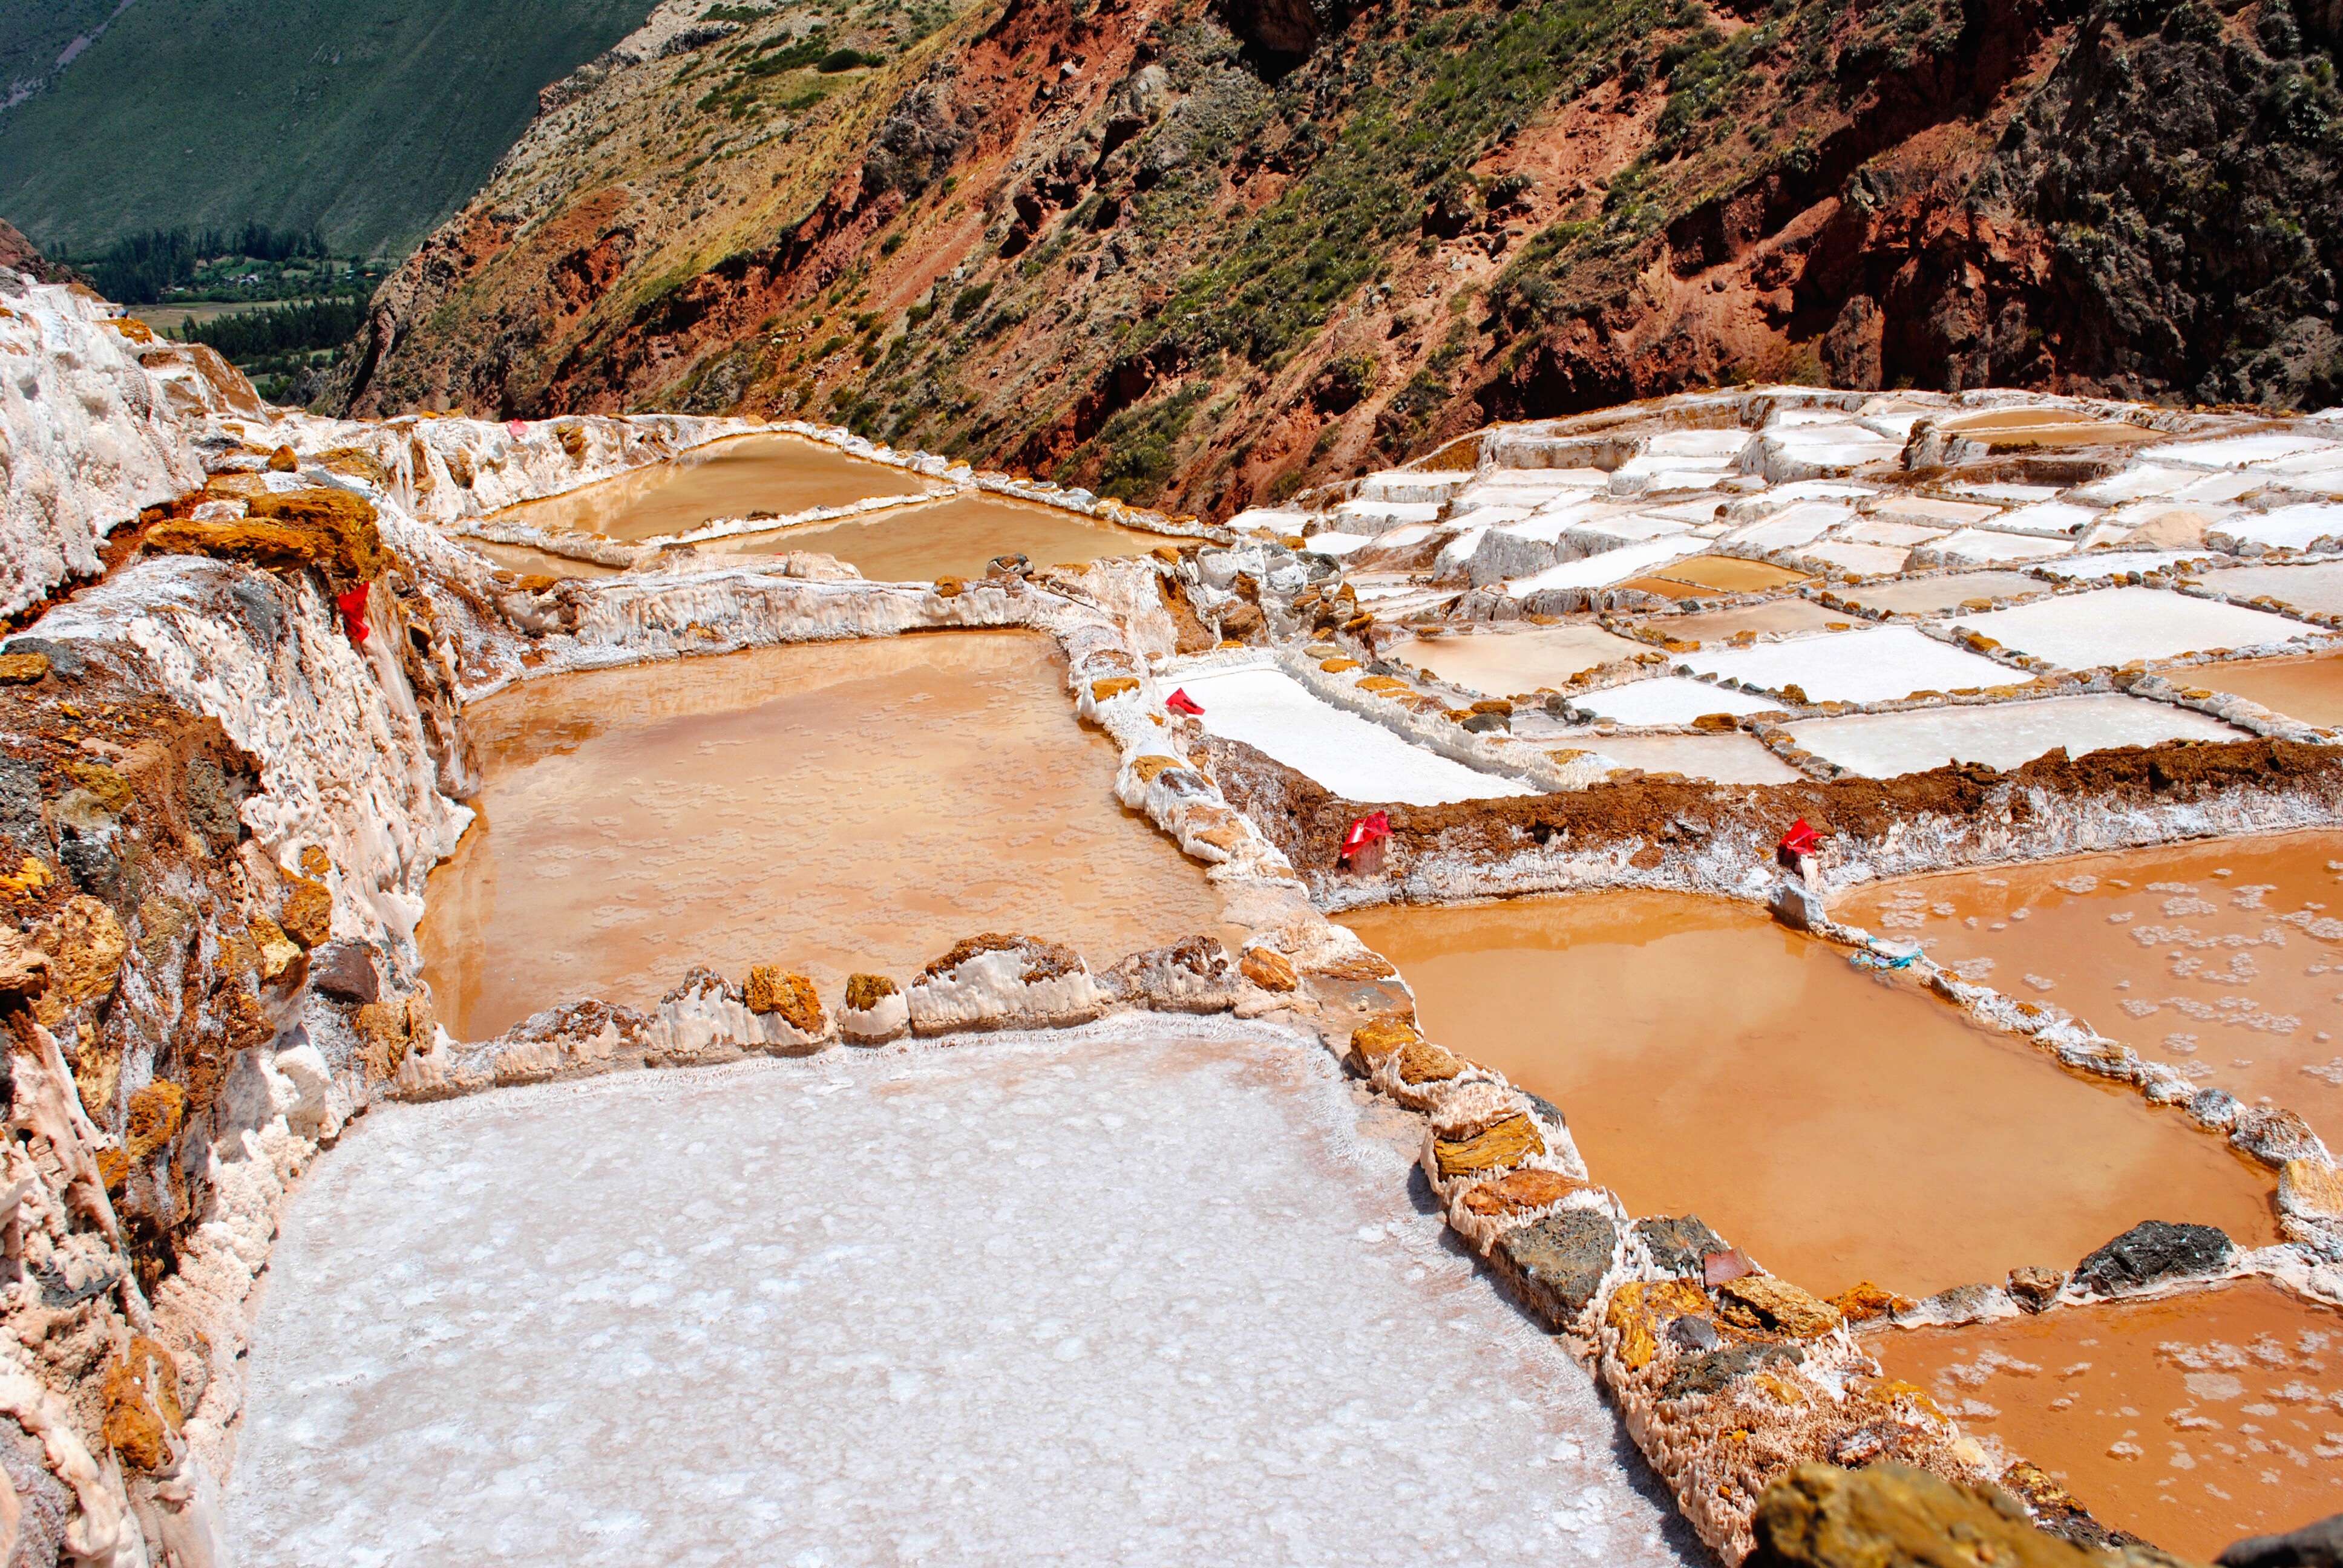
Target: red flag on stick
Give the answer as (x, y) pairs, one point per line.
(518, 429)
(1181, 702)
(1802, 838)
(1374, 825)
(352, 606)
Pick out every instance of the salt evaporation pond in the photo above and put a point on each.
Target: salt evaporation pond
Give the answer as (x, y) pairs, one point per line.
(2315, 588)
(1149, 1293)
(1879, 664)
(1500, 664)
(777, 474)
(1837, 1126)
(539, 563)
(2223, 958)
(2116, 626)
(2001, 734)
(1726, 759)
(1356, 758)
(1934, 595)
(959, 537)
(1788, 614)
(828, 807)
(2309, 690)
(2193, 1421)
(1714, 574)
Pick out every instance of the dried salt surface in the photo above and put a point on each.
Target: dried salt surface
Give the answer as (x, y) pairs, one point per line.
(1610, 567)
(1883, 745)
(1356, 758)
(1668, 699)
(832, 807)
(2223, 958)
(2107, 563)
(2116, 626)
(1872, 665)
(1503, 663)
(1152, 1292)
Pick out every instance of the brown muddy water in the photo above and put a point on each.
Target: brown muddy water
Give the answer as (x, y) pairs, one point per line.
(957, 538)
(2192, 1420)
(1727, 574)
(828, 807)
(1837, 1125)
(538, 563)
(777, 474)
(2224, 959)
(2307, 689)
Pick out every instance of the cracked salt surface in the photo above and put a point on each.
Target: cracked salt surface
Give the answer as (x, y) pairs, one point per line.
(1152, 1291)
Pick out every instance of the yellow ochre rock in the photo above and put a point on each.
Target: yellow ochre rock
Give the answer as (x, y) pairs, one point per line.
(1111, 687)
(142, 1405)
(1267, 969)
(1499, 1148)
(771, 989)
(1380, 1037)
(1768, 1302)
(1894, 1516)
(1519, 1192)
(23, 669)
(1640, 1308)
(155, 1113)
(2312, 1192)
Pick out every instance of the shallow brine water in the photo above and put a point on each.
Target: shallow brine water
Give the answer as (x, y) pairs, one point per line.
(957, 538)
(1150, 1294)
(2307, 689)
(2224, 959)
(777, 474)
(1838, 1126)
(826, 808)
(1502, 664)
(2192, 1420)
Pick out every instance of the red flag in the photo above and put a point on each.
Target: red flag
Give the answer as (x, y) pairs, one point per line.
(1802, 838)
(518, 429)
(1181, 702)
(352, 606)
(1374, 825)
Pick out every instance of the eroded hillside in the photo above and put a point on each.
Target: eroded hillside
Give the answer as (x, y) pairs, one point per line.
(1210, 254)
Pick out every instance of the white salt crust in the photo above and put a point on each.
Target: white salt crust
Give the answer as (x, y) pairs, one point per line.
(2116, 626)
(2002, 735)
(1669, 699)
(1149, 1291)
(1350, 756)
(1878, 665)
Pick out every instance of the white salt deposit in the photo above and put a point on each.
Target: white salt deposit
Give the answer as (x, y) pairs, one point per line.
(1883, 745)
(1498, 664)
(2108, 563)
(1356, 758)
(1669, 699)
(1791, 526)
(1858, 559)
(1872, 665)
(1148, 1294)
(2234, 451)
(1919, 596)
(2116, 626)
(2058, 518)
(2295, 528)
(1979, 547)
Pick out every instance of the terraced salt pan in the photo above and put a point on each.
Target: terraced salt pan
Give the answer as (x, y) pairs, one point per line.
(1837, 1126)
(2195, 1421)
(2116, 626)
(830, 808)
(2316, 590)
(1500, 665)
(957, 538)
(2004, 735)
(1610, 567)
(1669, 699)
(1722, 758)
(1356, 758)
(2295, 528)
(2108, 563)
(2235, 979)
(1875, 665)
(2309, 690)
(1152, 1292)
(777, 474)
(1922, 596)
(1979, 546)
(1775, 616)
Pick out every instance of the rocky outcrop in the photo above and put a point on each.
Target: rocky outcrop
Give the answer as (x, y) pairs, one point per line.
(1820, 1516)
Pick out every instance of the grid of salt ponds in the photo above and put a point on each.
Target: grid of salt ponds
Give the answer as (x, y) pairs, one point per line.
(2001, 734)
(1875, 665)
(2194, 1420)
(882, 1308)
(2224, 959)
(1356, 758)
(2116, 626)
(1839, 1126)
(832, 808)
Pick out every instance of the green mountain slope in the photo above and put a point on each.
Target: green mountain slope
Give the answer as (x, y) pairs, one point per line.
(370, 119)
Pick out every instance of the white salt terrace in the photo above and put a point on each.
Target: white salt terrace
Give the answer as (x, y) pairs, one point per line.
(1152, 1292)
(2000, 735)
(1356, 758)
(2116, 626)
(2314, 589)
(1669, 699)
(1882, 664)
